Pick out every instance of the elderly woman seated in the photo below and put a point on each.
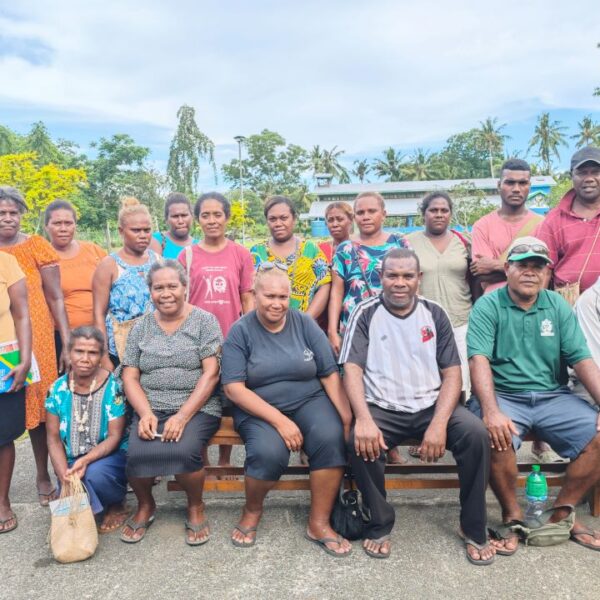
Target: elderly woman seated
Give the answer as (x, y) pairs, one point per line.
(85, 422)
(170, 373)
(279, 371)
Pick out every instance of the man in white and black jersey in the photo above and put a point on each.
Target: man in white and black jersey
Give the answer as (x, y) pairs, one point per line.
(403, 379)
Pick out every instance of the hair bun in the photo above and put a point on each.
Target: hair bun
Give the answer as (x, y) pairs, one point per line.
(128, 201)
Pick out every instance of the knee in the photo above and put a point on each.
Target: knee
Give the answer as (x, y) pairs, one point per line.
(266, 461)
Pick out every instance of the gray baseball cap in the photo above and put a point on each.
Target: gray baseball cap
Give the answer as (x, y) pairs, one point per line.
(587, 154)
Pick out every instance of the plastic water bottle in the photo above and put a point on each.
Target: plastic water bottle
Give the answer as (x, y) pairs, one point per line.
(536, 493)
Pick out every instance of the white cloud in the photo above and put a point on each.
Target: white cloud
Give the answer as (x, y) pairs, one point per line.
(331, 72)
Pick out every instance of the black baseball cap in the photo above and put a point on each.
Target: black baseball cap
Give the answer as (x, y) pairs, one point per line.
(587, 154)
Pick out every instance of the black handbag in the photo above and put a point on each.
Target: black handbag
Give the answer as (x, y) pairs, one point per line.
(347, 517)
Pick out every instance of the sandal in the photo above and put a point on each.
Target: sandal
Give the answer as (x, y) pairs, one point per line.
(480, 562)
(322, 542)
(196, 528)
(45, 499)
(585, 531)
(506, 532)
(414, 451)
(119, 522)
(381, 540)
(246, 531)
(13, 526)
(145, 525)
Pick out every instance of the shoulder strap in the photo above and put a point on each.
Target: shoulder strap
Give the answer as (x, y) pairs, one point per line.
(163, 242)
(587, 259)
(526, 229)
(464, 241)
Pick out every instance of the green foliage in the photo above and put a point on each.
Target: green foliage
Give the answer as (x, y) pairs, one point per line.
(469, 204)
(10, 142)
(189, 147)
(563, 185)
(492, 139)
(361, 170)
(589, 133)
(328, 161)
(389, 168)
(547, 138)
(422, 165)
(272, 166)
(38, 140)
(464, 157)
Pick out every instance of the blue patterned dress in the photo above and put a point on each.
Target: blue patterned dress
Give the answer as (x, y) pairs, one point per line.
(129, 295)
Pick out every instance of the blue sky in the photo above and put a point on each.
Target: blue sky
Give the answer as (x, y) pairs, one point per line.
(356, 75)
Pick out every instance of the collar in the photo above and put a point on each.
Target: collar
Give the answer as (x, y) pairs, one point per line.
(393, 314)
(507, 302)
(566, 206)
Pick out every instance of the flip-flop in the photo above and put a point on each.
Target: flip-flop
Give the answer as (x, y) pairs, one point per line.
(196, 528)
(480, 562)
(145, 525)
(246, 531)
(47, 497)
(586, 531)
(13, 518)
(383, 538)
(322, 542)
(505, 532)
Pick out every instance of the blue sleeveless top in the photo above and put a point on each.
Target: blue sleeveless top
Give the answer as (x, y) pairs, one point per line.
(129, 294)
(170, 248)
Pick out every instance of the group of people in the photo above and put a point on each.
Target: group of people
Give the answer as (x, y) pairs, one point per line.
(341, 350)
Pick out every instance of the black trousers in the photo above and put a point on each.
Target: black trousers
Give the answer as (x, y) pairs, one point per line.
(467, 439)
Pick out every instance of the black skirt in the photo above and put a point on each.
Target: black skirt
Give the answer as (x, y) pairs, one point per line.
(150, 458)
(12, 416)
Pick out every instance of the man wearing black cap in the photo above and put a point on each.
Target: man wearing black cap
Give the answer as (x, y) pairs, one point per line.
(520, 340)
(572, 229)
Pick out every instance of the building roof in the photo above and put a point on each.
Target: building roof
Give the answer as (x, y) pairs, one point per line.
(418, 187)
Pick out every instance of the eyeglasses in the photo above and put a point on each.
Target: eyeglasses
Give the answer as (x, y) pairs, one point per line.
(523, 248)
(267, 266)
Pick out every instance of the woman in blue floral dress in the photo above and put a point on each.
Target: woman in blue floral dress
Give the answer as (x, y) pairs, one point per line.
(120, 289)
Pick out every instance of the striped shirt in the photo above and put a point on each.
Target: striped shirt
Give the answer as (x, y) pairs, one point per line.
(570, 239)
(401, 357)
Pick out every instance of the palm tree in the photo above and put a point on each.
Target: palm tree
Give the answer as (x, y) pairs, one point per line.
(492, 139)
(589, 133)
(389, 167)
(548, 136)
(422, 166)
(38, 140)
(361, 169)
(328, 161)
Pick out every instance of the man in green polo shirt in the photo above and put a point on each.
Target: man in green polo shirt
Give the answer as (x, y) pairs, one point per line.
(521, 339)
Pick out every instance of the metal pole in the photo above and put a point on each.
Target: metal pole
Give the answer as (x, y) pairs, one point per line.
(240, 140)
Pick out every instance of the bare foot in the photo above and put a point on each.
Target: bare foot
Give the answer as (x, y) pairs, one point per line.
(585, 536)
(8, 519)
(394, 457)
(487, 552)
(320, 531)
(249, 520)
(196, 516)
(114, 517)
(380, 546)
(46, 492)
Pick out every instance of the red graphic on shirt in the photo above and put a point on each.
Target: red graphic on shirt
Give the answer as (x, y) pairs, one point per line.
(426, 333)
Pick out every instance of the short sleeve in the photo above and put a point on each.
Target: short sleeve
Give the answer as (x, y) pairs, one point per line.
(11, 271)
(319, 344)
(258, 253)
(247, 272)
(99, 252)
(53, 402)
(446, 349)
(133, 350)
(573, 345)
(320, 266)
(115, 407)
(339, 262)
(355, 348)
(481, 332)
(211, 338)
(481, 244)
(43, 252)
(234, 358)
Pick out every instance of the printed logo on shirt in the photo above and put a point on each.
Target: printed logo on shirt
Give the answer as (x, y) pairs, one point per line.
(546, 328)
(214, 285)
(426, 333)
(308, 355)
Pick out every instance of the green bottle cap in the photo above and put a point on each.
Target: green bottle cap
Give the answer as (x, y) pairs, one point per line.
(535, 468)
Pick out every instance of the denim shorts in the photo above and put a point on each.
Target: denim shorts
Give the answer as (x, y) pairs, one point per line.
(560, 418)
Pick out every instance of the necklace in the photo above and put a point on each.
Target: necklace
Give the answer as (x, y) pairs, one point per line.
(82, 416)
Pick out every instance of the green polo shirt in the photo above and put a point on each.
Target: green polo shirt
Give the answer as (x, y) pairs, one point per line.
(527, 350)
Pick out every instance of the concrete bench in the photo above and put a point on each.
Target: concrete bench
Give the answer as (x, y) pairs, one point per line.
(410, 476)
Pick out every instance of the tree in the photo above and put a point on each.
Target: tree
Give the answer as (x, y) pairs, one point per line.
(463, 157)
(389, 168)
(10, 142)
(272, 166)
(39, 185)
(589, 133)
(469, 204)
(38, 140)
(597, 90)
(189, 147)
(421, 166)
(330, 163)
(361, 169)
(492, 139)
(547, 137)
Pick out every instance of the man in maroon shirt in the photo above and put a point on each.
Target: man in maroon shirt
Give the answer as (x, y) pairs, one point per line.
(572, 229)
